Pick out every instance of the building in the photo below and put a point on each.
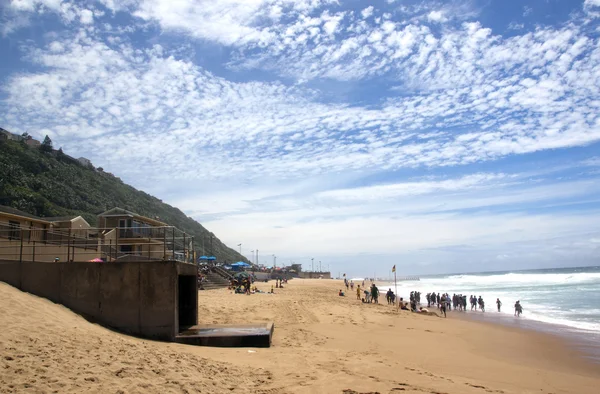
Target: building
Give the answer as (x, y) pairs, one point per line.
(121, 235)
(84, 162)
(10, 136)
(32, 143)
(130, 234)
(26, 237)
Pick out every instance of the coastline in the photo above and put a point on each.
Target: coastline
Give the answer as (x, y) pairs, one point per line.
(586, 343)
(322, 344)
(322, 337)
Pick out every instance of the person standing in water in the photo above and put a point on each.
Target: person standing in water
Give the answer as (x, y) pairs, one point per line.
(498, 303)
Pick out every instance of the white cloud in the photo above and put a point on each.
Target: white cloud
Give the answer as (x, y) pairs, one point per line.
(436, 16)
(87, 17)
(381, 192)
(413, 225)
(163, 101)
(516, 26)
(461, 95)
(367, 12)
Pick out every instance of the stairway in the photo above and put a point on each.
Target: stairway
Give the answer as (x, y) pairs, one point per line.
(214, 281)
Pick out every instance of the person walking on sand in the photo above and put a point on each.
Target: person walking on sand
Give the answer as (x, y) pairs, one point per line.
(518, 309)
(375, 293)
(443, 305)
(498, 303)
(358, 292)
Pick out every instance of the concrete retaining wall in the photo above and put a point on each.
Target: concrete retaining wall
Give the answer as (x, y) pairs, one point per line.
(139, 298)
(314, 275)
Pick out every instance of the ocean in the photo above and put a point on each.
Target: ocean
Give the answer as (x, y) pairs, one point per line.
(562, 300)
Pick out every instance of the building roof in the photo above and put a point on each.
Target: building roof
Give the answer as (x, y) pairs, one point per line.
(17, 213)
(59, 219)
(120, 212)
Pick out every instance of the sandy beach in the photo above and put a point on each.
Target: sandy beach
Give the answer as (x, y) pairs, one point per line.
(322, 344)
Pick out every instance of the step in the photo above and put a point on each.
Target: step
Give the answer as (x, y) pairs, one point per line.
(242, 335)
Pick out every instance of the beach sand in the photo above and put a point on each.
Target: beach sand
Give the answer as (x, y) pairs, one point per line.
(322, 344)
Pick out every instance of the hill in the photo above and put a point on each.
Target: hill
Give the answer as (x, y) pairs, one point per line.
(52, 183)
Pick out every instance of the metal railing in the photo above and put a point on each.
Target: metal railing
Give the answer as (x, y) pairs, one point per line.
(107, 244)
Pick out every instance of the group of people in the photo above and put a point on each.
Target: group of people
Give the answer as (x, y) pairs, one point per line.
(459, 302)
(371, 295)
(244, 285)
(443, 301)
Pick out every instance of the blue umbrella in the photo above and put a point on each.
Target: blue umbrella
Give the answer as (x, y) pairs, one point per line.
(211, 258)
(240, 264)
(202, 258)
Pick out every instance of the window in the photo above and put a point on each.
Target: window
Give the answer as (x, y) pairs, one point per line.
(14, 228)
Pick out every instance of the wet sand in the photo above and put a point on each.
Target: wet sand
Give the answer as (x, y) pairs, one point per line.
(586, 343)
(322, 344)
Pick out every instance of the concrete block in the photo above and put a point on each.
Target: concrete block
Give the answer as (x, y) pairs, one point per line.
(42, 279)
(10, 272)
(158, 286)
(119, 296)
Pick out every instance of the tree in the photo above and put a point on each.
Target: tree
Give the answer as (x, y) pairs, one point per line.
(26, 136)
(60, 155)
(46, 145)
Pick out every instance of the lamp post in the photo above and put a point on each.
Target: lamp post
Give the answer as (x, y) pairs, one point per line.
(240, 245)
(252, 258)
(256, 256)
(312, 263)
(274, 261)
(320, 269)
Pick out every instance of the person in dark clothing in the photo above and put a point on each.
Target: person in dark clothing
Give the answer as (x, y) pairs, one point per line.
(389, 296)
(443, 305)
(375, 293)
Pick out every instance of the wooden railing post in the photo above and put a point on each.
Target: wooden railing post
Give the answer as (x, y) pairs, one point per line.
(173, 244)
(21, 248)
(164, 243)
(69, 246)
(117, 233)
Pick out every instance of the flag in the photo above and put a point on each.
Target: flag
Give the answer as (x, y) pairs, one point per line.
(394, 268)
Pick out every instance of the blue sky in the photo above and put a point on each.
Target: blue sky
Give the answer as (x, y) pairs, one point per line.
(440, 137)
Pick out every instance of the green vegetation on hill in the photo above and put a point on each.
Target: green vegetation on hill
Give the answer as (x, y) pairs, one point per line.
(51, 183)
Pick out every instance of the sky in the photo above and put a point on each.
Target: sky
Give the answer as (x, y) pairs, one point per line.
(437, 136)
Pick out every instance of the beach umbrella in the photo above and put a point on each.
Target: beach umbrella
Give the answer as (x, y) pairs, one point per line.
(202, 258)
(211, 258)
(240, 264)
